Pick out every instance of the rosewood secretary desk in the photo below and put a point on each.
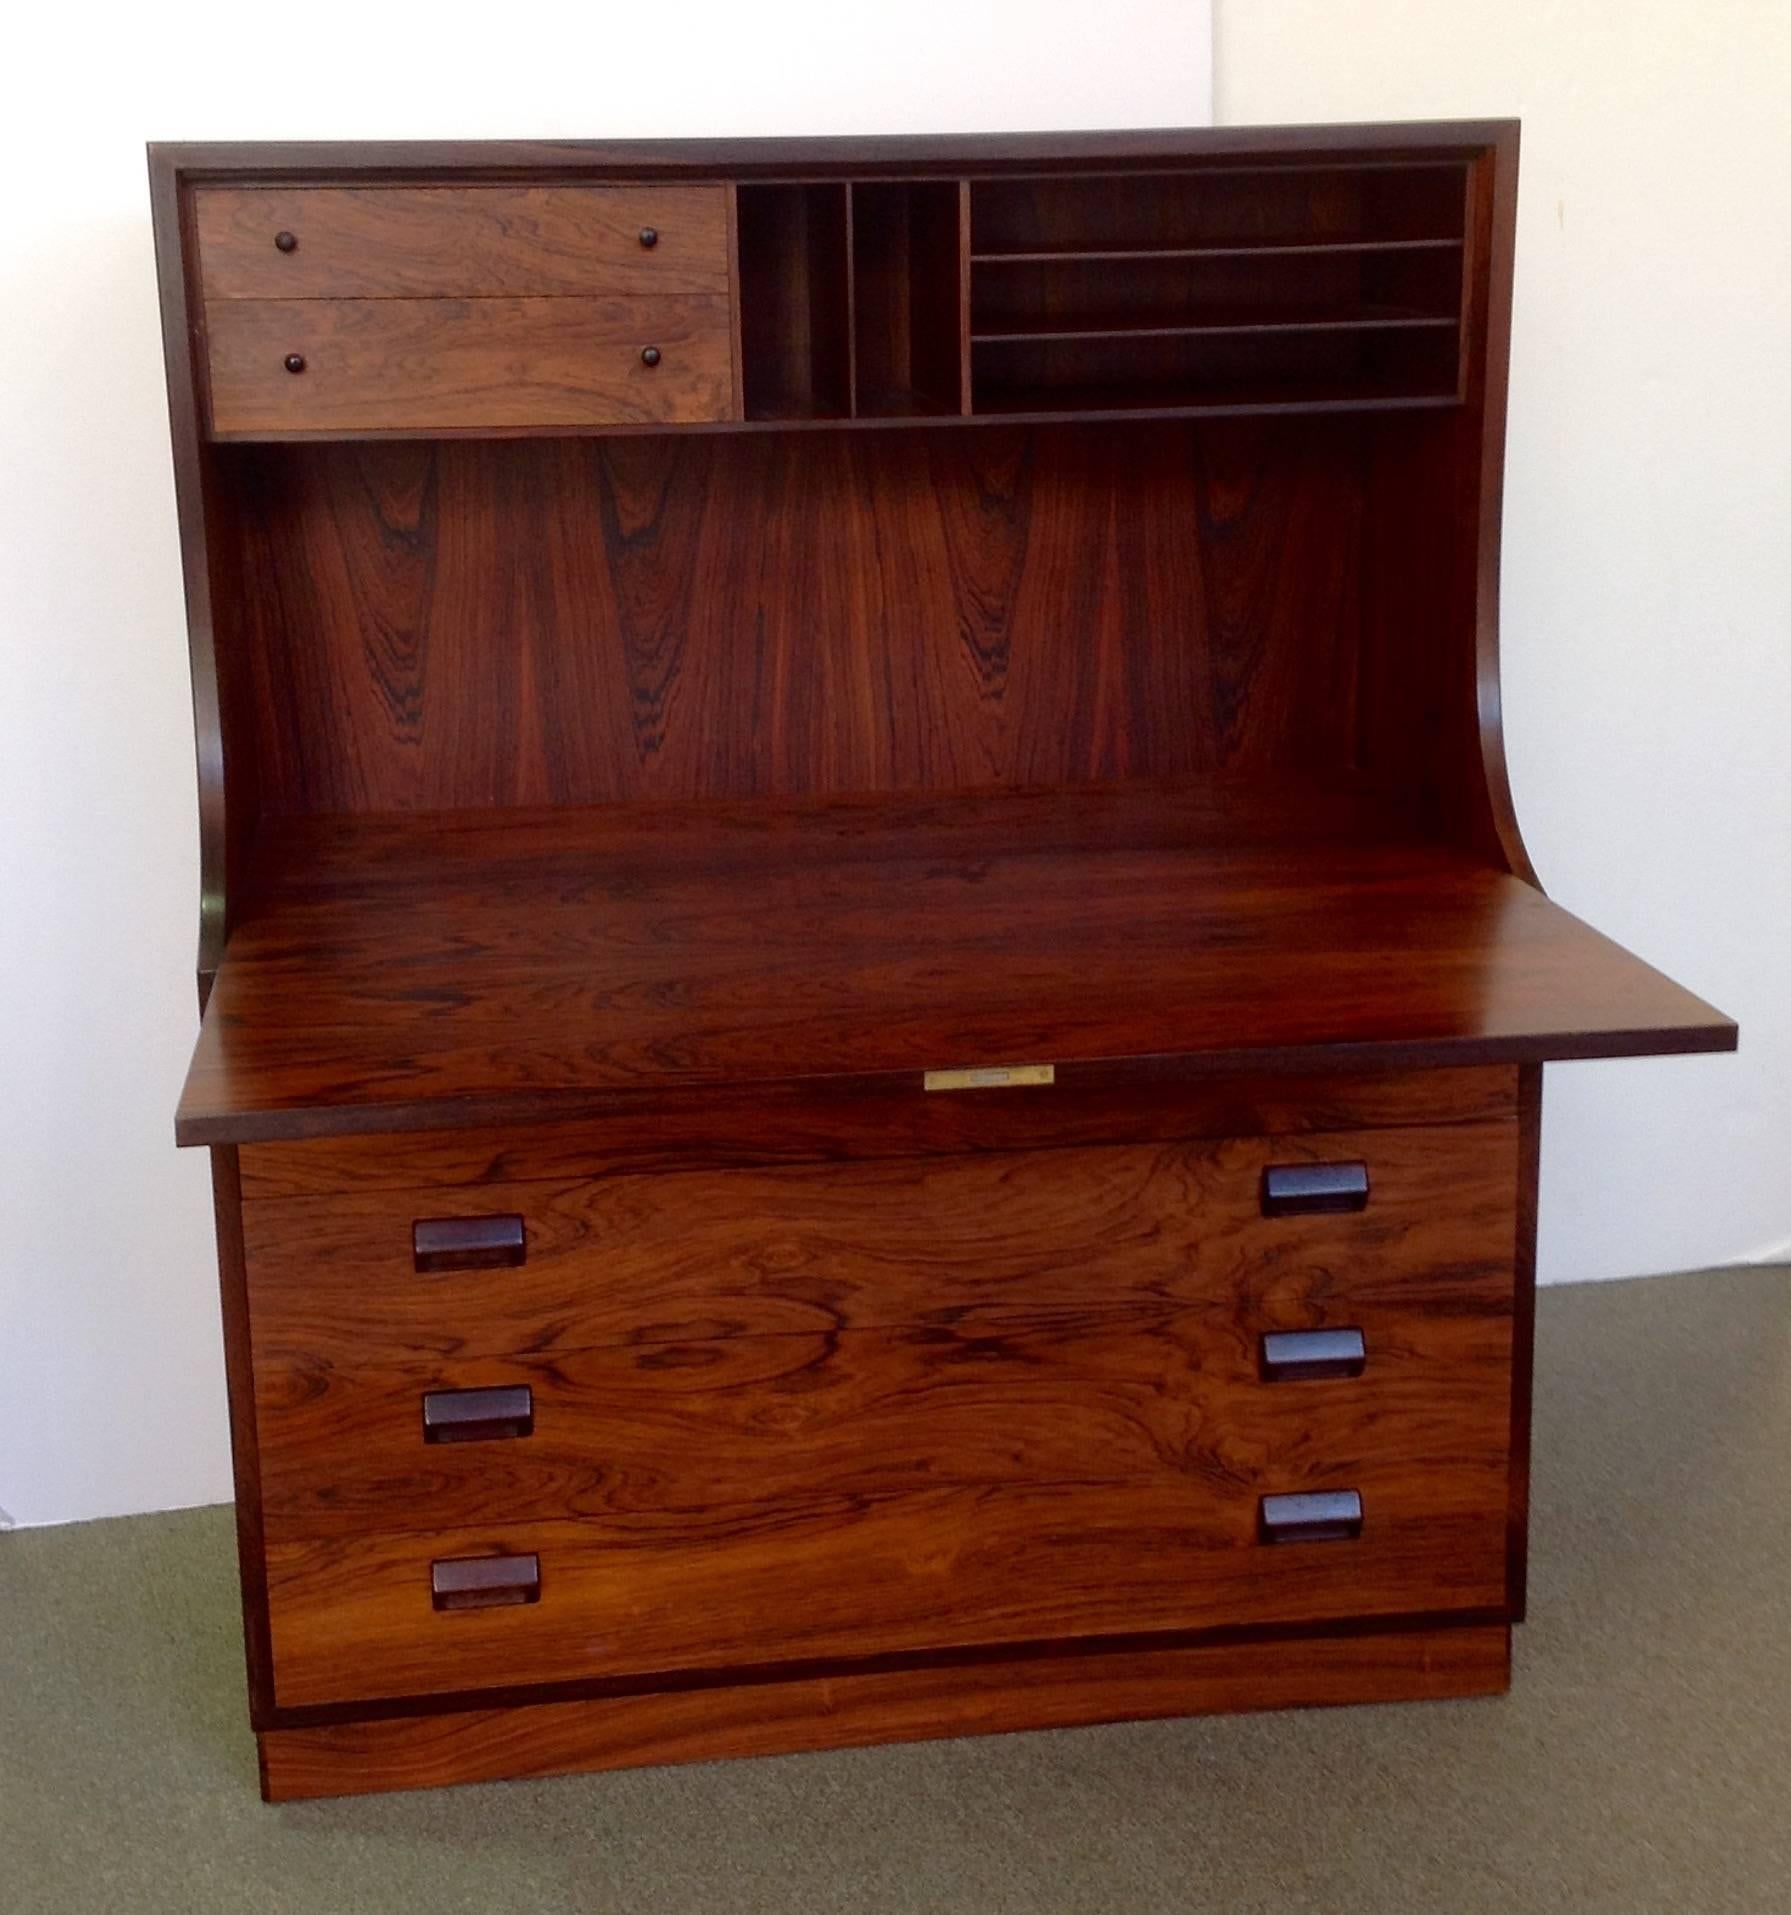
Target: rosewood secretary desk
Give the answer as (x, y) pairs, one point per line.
(872, 1009)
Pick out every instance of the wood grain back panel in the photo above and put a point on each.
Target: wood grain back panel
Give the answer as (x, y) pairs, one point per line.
(473, 624)
(447, 240)
(365, 365)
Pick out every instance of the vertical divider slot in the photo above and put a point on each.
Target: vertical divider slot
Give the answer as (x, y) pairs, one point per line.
(909, 306)
(796, 300)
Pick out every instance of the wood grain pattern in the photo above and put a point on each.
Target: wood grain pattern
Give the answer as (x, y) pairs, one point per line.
(761, 1127)
(760, 1426)
(383, 364)
(843, 1711)
(838, 1576)
(994, 1244)
(596, 622)
(454, 241)
(487, 974)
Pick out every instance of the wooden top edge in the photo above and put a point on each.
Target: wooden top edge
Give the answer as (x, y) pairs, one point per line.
(844, 154)
(199, 1126)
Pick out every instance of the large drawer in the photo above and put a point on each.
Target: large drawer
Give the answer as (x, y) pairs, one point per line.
(377, 365)
(846, 1578)
(1077, 1399)
(473, 242)
(998, 1241)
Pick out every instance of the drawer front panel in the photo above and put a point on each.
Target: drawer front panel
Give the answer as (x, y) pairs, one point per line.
(844, 1420)
(385, 242)
(836, 1577)
(760, 1127)
(996, 1242)
(374, 365)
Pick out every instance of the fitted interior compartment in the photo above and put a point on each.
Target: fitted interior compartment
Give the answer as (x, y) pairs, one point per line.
(795, 301)
(1411, 202)
(1316, 286)
(1248, 368)
(1198, 293)
(907, 292)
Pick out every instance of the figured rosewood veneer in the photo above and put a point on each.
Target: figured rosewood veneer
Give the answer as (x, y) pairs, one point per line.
(872, 1008)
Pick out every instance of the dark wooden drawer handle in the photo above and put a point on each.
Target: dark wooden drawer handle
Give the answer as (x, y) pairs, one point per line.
(1304, 1190)
(485, 1582)
(1296, 1356)
(478, 1416)
(1320, 1516)
(467, 1243)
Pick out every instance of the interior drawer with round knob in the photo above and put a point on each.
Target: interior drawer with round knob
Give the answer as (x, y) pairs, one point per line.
(427, 365)
(470, 242)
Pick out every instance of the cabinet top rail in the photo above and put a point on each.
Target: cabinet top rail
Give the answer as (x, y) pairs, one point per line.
(840, 157)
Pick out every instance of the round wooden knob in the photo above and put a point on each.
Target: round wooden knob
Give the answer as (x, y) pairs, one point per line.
(287, 242)
(649, 355)
(294, 362)
(649, 236)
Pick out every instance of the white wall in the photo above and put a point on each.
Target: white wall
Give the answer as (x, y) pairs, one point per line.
(1646, 607)
(111, 1379)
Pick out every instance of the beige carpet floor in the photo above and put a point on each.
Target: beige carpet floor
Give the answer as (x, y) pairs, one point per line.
(1642, 1762)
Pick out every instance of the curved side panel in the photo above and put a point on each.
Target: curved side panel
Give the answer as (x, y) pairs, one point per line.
(1495, 228)
(193, 501)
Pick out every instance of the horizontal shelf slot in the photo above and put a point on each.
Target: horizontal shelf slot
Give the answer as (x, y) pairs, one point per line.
(1104, 401)
(1186, 368)
(1241, 249)
(1097, 326)
(1213, 211)
(1236, 293)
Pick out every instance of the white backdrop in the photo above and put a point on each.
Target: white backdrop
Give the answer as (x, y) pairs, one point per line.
(1646, 605)
(111, 1378)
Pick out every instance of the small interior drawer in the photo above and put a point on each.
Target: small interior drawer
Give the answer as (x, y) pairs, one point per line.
(475, 242)
(371, 365)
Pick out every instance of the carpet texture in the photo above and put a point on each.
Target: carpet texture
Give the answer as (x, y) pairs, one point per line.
(1642, 1762)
